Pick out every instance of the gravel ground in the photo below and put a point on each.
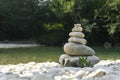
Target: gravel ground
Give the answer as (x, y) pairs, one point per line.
(104, 70)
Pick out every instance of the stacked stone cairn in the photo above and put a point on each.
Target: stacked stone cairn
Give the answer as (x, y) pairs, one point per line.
(76, 48)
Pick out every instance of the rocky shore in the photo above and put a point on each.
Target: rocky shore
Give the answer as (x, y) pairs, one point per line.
(104, 70)
(16, 45)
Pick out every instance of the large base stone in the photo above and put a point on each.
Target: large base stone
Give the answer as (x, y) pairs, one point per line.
(67, 60)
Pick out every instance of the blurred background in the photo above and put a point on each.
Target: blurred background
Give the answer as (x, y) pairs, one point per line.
(48, 22)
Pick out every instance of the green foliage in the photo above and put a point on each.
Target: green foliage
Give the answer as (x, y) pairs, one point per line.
(53, 26)
(109, 18)
(109, 15)
(83, 62)
(99, 17)
(60, 7)
(18, 18)
(29, 19)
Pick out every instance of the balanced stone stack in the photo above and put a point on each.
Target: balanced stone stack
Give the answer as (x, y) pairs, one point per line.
(76, 48)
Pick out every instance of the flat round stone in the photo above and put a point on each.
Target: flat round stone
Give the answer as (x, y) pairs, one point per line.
(77, 40)
(77, 25)
(77, 29)
(77, 34)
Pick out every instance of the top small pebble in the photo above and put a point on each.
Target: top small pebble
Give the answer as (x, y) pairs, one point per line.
(77, 28)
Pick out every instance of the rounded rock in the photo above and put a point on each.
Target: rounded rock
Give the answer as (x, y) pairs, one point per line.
(93, 59)
(63, 57)
(77, 40)
(78, 49)
(77, 25)
(75, 59)
(77, 34)
(77, 29)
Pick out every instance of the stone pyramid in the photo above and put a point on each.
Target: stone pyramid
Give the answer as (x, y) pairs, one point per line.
(76, 48)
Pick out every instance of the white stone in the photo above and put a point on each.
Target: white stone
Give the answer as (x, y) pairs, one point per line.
(77, 29)
(97, 73)
(77, 34)
(75, 60)
(77, 40)
(80, 73)
(10, 75)
(23, 78)
(78, 49)
(62, 57)
(38, 76)
(77, 25)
